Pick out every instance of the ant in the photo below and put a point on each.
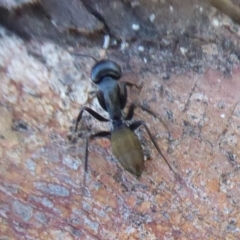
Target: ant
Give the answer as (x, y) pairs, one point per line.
(112, 97)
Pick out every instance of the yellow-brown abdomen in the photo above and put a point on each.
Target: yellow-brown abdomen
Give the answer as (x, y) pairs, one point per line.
(127, 149)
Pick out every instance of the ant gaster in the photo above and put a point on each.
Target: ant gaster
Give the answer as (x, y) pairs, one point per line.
(112, 96)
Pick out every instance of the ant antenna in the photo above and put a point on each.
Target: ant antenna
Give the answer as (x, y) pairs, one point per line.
(83, 55)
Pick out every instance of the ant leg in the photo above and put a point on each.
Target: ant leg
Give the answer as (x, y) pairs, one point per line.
(104, 134)
(132, 107)
(146, 109)
(93, 113)
(101, 100)
(137, 124)
(130, 112)
(129, 84)
(123, 92)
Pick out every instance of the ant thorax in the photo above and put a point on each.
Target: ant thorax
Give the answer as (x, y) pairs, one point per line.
(110, 91)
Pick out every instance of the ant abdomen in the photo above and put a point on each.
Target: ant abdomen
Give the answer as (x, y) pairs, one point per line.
(127, 149)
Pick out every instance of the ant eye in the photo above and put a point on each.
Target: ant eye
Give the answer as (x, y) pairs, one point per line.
(105, 68)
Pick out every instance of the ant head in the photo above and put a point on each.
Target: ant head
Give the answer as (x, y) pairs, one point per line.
(105, 68)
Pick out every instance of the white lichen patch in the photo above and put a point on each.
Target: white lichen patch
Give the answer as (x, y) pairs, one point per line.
(13, 4)
(20, 67)
(8, 136)
(80, 92)
(152, 17)
(199, 97)
(71, 162)
(135, 27)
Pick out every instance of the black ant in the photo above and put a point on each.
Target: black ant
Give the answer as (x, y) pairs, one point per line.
(112, 96)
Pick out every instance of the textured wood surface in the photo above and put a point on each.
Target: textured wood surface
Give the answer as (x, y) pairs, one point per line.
(196, 99)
